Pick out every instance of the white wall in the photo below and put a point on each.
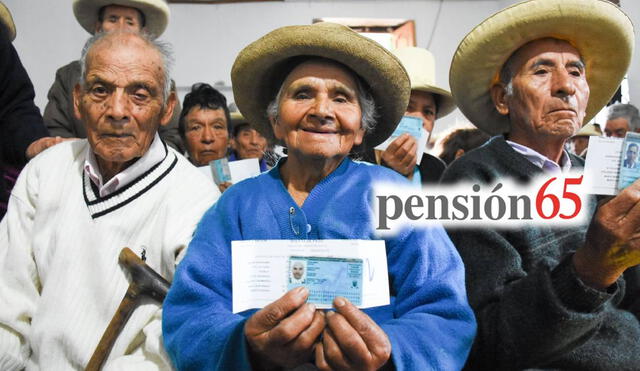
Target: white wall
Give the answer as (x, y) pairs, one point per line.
(206, 38)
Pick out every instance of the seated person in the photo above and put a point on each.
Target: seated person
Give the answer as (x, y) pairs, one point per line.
(428, 102)
(319, 108)
(76, 205)
(461, 141)
(22, 132)
(205, 124)
(547, 296)
(247, 142)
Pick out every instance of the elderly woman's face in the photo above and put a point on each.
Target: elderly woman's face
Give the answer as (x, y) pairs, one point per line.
(319, 114)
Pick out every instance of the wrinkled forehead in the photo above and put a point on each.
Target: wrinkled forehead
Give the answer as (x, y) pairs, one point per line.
(124, 49)
(541, 49)
(321, 68)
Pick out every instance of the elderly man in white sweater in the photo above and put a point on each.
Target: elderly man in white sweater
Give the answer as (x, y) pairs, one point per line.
(79, 203)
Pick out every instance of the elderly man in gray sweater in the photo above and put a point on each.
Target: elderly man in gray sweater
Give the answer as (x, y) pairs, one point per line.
(547, 297)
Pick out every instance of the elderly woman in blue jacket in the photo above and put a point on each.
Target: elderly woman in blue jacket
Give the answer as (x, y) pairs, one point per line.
(320, 90)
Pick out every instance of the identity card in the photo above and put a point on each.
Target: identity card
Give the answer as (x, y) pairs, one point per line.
(264, 270)
(629, 161)
(412, 126)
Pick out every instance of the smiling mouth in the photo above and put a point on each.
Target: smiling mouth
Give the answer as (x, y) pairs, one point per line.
(319, 131)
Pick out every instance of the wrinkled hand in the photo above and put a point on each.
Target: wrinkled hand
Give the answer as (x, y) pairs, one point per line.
(42, 144)
(223, 186)
(351, 340)
(613, 240)
(401, 154)
(283, 333)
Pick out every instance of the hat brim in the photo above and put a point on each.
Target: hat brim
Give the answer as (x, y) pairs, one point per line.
(599, 30)
(261, 67)
(7, 21)
(156, 13)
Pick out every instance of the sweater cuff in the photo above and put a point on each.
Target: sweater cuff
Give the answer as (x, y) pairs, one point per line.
(574, 293)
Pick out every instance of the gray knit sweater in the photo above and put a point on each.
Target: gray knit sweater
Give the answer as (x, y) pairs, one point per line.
(532, 309)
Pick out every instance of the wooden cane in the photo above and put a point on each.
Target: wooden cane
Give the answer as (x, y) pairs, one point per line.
(145, 282)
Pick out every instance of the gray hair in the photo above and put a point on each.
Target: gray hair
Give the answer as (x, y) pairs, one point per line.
(365, 100)
(627, 111)
(163, 49)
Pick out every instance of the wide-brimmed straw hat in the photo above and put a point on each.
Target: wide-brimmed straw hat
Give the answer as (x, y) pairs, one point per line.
(261, 67)
(421, 67)
(7, 20)
(589, 130)
(156, 13)
(598, 29)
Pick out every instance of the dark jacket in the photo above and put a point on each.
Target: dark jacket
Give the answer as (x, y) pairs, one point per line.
(532, 309)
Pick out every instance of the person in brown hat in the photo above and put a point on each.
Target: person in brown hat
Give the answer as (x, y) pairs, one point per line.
(303, 87)
(547, 297)
(579, 143)
(427, 102)
(150, 16)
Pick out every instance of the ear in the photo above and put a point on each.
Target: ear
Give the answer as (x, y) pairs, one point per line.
(359, 137)
(459, 153)
(168, 109)
(500, 99)
(77, 96)
(277, 128)
(233, 144)
(98, 27)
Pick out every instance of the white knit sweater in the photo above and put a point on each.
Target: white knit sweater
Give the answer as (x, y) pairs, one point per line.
(60, 281)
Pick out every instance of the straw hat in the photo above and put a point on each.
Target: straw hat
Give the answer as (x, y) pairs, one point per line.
(261, 67)
(7, 20)
(598, 29)
(421, 67)
(589, 130)
(156, 13)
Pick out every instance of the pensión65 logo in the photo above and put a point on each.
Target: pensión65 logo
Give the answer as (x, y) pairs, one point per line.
(553, 200)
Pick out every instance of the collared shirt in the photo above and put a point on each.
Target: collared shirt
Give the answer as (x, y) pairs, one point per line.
(541, 160)
(154, 155)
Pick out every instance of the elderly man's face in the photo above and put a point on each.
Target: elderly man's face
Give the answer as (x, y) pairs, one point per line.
(423, 106)
(617, 128)
(206, 134)
(632, 153)
(550, 90)
(297, 270)
(319, 114)
(116, 17)
(248, 143)
(121, 103)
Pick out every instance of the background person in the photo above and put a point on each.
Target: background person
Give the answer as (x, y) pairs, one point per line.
(320, 109)
(150, 16)
(247, 142)
(427, 102)
(547, 297)
(580, 141)
(461, 141)
(22, 132)
(621, 119)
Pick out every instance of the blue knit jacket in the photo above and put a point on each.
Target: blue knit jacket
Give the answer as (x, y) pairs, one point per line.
(429, 322)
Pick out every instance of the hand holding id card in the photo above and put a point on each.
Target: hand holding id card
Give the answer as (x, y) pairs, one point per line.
(263, 271)
(412, 126)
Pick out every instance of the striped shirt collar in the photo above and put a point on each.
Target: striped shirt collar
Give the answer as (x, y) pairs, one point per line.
(153, 156)
(541, 160)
